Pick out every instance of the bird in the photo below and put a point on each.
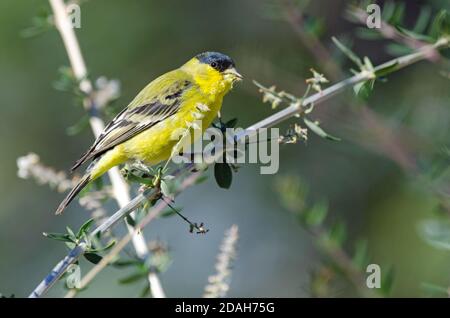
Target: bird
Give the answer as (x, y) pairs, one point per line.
(143, 131)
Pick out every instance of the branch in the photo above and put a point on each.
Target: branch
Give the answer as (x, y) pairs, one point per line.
(119, 186)
(154, 213)
(278, 117)
(297, 108)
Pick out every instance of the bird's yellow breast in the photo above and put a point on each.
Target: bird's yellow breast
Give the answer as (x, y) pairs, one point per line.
(155, 144)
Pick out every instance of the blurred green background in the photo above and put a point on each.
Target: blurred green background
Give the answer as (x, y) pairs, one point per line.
(135, 41)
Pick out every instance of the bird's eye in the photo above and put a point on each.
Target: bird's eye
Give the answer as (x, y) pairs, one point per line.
(214, 64)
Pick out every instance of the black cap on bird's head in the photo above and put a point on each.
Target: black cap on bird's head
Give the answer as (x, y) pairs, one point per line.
(220, 62)
(216, 60)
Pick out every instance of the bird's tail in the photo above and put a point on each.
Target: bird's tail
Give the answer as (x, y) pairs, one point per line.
(83, 182)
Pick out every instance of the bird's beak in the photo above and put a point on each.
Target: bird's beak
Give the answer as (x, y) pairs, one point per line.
(234, 74)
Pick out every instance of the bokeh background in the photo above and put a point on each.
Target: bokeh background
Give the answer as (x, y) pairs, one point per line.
(378, 198)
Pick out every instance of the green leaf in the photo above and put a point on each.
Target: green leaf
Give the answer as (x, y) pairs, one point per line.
(130, 220)
(92, 257)
(315, 128)
(201, 179)
(314, 26)
(40, 23)
(85, 227)
(387, 281)
(368, 64)
(223, 174)
(59, 237)
(363, 89)
(423, 19)
(388, 10)
(368, 34)
(439, 164)
(67, 82)
(165, 190)
(436, 233)
(414, 35)
(127, 263)
(105, 248)
(231, 123)
(70, 245)
(137, 179)
(132, 278)
(349, 53)
(435, 290)
(440, 25)
(73, 276)
(396, 49)
(145, 291)
(316, 215)
(71, 233)
(361, 258)
(386, 69)
(337, 233)
(397, 16)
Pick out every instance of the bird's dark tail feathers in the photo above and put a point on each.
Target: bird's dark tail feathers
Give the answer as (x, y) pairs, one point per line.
(80, 161)
(83, 182)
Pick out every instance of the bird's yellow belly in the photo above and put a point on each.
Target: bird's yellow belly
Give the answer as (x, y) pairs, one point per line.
(155, 144)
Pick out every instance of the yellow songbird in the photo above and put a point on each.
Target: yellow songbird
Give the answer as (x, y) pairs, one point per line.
(144, 129)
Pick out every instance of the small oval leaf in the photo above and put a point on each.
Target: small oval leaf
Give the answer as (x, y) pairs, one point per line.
(93, 258)
(223, 174)
(319, 131)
